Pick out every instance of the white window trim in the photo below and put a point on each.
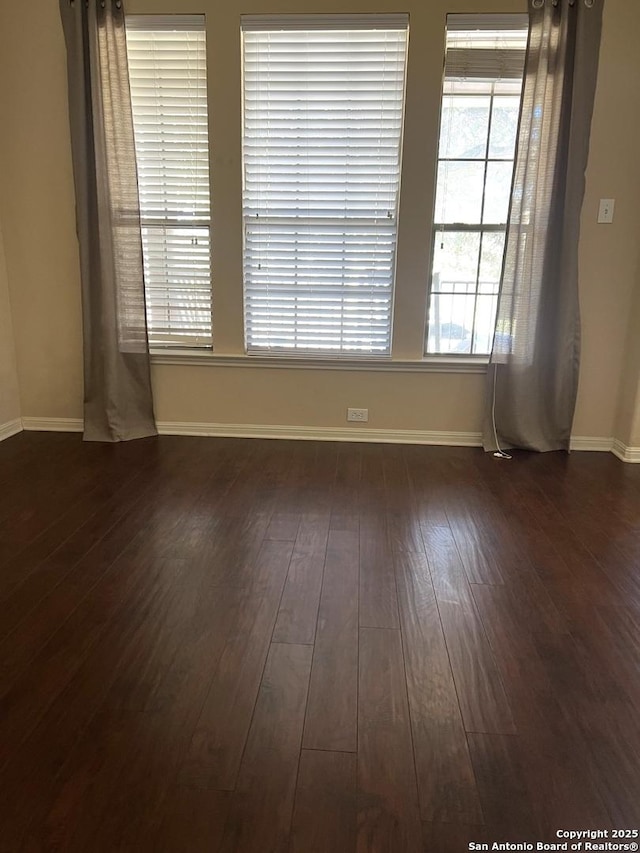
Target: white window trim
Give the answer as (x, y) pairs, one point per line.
(380, 364)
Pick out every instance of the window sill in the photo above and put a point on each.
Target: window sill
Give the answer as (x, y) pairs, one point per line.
(429, 364)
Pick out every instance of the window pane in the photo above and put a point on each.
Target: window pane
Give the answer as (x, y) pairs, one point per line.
(491, 261)
(463, 127)
(455, 261)
(497, 192)
(484, 324)
(459, 192)
(504, 127)
(450, 323)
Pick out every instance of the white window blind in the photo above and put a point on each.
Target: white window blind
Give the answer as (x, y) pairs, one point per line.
(168, 78)
(486, 47)
(323, 113)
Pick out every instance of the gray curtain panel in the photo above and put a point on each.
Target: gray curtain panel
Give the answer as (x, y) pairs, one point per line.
(118, 403)
(533, 373)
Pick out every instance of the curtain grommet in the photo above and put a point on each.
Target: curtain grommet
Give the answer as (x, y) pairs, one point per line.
(537, 4)
(589, 3)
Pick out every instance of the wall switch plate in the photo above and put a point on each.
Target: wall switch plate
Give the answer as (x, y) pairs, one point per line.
(360, 415)
(606, 209)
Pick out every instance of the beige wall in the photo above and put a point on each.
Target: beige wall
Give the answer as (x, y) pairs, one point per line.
(36, 205)
(610, 254)
(9, 397)
(628, 420)
(37, 209)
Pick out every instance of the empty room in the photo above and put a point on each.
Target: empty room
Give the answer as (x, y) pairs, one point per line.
(319, 409)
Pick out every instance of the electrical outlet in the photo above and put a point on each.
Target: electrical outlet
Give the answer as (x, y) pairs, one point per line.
(606, 210)
(360, 415)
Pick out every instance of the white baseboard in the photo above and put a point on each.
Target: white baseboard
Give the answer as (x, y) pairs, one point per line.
(455, 439)
(52, 424)
(625, 452)
(587, 442)
(432, 437)
(10, 428)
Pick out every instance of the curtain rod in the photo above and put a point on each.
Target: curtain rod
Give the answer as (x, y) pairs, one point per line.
(538, 4)
(102, 3)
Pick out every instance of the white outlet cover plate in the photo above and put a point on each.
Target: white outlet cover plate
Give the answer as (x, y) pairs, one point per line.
(358, 415)
(606, 210)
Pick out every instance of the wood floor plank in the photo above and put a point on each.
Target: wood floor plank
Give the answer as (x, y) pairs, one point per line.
(28, 698)
(388, 808)
(428, 477)
(213, 758)
(402, 513)
(325, 816)
(497, 763)
(129, 788)
(455, 837)
(346, 476)
(233, 552)
(597, 703)
(446, 782)
(262, 804)
(345, 496)
(53, 556)
(449, 578)
(26, 511)
(315, 492)
(30, 784)
(65, 538)
(283, 525)
(475, 536)
(298, 613)
(75, 809)
(610, 636)
(194, 821)
(378, 607)
(587, 575)
(484, 704)
(129, 797)
(331, 719)
(553, 754)
(180, 485)
(191, 631)
(42, 500)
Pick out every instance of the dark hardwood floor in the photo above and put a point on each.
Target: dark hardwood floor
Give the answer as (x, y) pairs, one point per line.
(244, 645)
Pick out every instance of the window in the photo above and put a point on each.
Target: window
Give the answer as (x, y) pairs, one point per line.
(478, 128)
(323, 113)
(167, 71)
